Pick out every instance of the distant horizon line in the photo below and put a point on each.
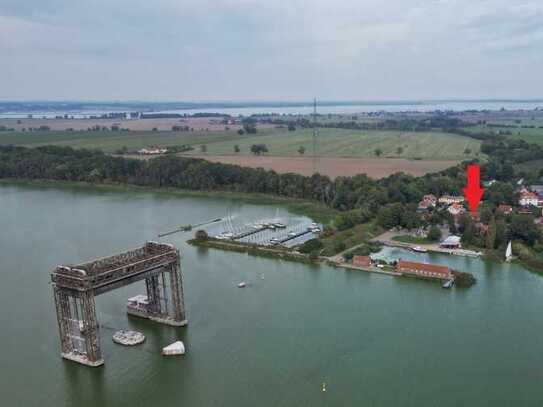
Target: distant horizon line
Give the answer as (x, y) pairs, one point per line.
(272, 101)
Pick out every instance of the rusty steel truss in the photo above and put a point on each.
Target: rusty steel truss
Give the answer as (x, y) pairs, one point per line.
(76, 286)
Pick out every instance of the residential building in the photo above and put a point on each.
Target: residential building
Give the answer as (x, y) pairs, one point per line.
(456, 209)
(431, 198)
(528, 198)
(505, 209)
(424, 270)
(428, 201)
(538, 189)
(153, 151)
(424, 206)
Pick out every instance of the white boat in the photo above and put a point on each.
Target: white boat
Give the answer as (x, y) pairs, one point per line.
(509, 252)
(420, 249)
(448, 284)
(242, 284)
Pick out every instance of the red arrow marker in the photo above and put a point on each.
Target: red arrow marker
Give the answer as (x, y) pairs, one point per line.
(473, 191)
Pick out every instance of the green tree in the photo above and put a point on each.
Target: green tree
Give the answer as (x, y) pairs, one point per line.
(434, 234)
(490, 240)
(500, 193)
(301, 150)
(390, 215)
(468, 230)
(236, 149)
(399, 150)
(258, 149)
(203, 148)
(522, 227)
(310, 246)
(486, 215)
(378, 152)
(249, 125)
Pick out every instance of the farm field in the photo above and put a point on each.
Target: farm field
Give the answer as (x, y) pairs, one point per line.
(531, 135)
(280, 142)
(336, 166)
(110, 142)
(354, 143)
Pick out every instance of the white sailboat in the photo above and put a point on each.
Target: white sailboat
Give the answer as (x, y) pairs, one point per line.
(509, 252)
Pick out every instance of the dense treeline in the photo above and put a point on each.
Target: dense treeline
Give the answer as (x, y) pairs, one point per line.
(344, 193)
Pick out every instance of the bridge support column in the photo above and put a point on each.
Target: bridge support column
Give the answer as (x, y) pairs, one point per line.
(78, 327)
(165, 297)
(177, 298)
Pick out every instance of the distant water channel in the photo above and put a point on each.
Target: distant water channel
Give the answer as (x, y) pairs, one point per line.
(374, 340)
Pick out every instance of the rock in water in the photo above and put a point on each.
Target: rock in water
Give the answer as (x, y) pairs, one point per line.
(128, 338)
(176, 348)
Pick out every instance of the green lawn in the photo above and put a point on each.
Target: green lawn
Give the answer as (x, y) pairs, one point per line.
(534, 135)
(280, 142)
(412, 239)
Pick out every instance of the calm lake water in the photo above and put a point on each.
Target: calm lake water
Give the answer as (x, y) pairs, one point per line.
(323, 108)
(375, 340)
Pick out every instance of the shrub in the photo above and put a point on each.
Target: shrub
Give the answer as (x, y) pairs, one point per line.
(310, 246)
(201, 235)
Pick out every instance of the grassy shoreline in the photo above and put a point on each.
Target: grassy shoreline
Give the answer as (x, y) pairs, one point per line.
(313, 210)
(316, 211)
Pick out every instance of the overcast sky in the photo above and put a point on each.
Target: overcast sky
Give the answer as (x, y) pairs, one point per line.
(270, 50)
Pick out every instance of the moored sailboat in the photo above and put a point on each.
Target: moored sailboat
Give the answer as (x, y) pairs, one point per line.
(509, 252)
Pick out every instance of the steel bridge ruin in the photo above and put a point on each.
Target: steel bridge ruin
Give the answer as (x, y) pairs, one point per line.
(76, 286)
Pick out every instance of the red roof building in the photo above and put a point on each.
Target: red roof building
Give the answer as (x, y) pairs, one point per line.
(424, 270)
(362, 261)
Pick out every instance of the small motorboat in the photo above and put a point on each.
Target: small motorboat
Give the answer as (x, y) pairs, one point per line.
(448, 284)
(420, 249)
(243, 284)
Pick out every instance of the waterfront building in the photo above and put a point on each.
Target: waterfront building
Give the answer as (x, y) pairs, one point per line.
(451, 242)
(362, 261)
(424, 270)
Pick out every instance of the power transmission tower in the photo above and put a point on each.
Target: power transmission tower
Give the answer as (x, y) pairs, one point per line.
(314, 135)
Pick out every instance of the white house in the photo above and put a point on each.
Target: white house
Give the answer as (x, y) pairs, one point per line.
(528, 198)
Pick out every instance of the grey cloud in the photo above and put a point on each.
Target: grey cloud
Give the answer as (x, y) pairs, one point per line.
(248, 49)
